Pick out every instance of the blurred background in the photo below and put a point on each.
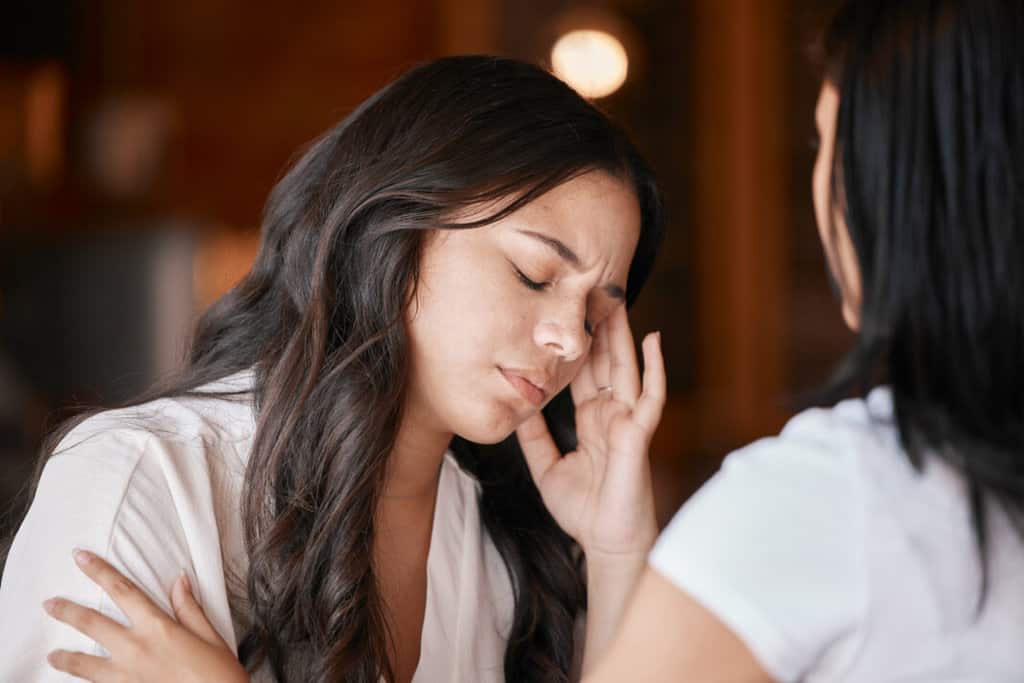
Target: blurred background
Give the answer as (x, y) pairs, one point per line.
(139, 140)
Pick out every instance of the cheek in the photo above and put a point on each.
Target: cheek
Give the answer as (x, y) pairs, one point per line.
(820, 194)
(465, 314)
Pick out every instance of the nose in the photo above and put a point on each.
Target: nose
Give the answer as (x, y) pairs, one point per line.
(565, 339)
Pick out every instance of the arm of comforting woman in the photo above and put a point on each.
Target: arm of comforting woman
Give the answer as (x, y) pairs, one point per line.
(762, 574)
(601, 493)
(667, 636)
(157, 647)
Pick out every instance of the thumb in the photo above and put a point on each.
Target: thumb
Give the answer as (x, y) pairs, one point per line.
(190, 614)
(538, 447)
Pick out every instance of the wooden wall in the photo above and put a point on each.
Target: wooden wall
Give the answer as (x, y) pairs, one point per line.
(719, 101)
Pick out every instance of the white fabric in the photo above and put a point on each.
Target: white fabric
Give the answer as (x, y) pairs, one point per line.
(834, 560)
(155, 490)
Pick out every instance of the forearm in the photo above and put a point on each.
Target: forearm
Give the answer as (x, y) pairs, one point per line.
(610, 585)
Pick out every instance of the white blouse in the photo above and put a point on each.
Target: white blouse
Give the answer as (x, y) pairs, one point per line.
(155, 490)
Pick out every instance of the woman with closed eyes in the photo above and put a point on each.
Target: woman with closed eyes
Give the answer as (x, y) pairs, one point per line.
(399, 440)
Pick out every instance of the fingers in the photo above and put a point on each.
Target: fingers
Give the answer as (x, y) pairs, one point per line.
(125, 594)
(97, 626)
(600, 357)
(584, 385)
(88, 667)
(624, 375)
(538, 446)
(651, 402)
(190, 614)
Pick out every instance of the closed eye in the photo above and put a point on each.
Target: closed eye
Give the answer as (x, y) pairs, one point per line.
(540, 287)
(532, 284)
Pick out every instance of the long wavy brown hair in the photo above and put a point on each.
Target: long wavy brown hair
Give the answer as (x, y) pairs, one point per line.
(320, 320)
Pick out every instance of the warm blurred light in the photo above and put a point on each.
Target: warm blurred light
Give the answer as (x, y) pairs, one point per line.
(127, 139)
(223, 258)
(593, 62)
(44, 123)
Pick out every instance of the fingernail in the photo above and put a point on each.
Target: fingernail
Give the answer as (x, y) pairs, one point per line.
(48, 605)
(185, 583)
(82, 557)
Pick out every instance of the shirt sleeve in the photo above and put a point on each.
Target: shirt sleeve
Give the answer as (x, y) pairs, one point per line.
(101, 493)
(772, 546)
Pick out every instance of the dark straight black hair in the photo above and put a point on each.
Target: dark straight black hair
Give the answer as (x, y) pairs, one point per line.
(320, 320)
(928, 174)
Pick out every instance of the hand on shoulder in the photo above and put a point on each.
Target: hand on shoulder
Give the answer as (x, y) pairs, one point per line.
(156, 648)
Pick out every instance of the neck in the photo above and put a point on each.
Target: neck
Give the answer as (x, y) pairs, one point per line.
(414, 467)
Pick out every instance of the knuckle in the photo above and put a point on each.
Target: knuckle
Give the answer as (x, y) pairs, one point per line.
(163, 628)
(120, 586)
(85, 619)
(77, 665)
(159, 628)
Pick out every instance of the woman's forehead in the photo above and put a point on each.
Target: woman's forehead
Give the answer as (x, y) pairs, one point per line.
(592, 214)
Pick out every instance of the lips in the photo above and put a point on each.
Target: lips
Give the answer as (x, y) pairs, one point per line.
(530, 385)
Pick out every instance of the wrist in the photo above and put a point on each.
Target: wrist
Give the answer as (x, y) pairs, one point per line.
(615, 559)
(621, 569)
(611, 579)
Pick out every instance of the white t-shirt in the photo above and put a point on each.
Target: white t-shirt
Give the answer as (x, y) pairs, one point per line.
(834, 560)
(155, 490)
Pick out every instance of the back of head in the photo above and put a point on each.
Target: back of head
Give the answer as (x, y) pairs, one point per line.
(929, 178)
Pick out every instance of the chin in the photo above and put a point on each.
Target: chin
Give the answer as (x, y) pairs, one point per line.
(486, 437)
(490, 428)
(486, 440)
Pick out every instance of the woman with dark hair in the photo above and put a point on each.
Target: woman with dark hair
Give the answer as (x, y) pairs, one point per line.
(334, 474)
(880, 539)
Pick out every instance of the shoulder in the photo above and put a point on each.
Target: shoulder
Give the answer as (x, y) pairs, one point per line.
(115, 441)
(141, 473)
(142, 487)
(161, 452)
(816, 464)
(849, 424)
(830, 450)
(779, 492)
(773, 544)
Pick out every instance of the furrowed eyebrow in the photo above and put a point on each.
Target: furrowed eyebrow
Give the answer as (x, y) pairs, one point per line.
(569, 256)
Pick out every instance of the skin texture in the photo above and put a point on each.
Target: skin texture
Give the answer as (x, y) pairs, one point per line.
(473, 315)
(536, 298)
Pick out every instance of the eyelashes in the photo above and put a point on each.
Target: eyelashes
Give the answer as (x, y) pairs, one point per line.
(535, 286)
(532, 284)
